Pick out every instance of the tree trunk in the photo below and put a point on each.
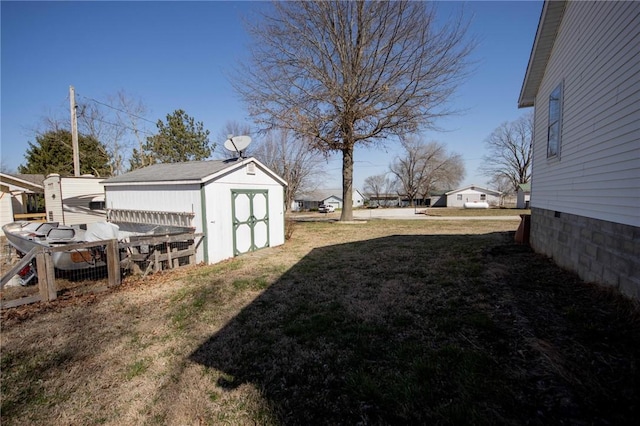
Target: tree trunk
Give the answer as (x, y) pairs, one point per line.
(288, 199)
(347, 184)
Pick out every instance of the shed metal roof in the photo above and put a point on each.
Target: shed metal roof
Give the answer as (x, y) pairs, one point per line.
(526, 187)
(550, 19)
(189, 172)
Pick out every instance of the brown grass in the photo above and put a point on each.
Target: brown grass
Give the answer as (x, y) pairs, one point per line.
(386, 322)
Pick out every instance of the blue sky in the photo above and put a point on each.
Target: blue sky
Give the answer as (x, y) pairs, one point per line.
(173, 55)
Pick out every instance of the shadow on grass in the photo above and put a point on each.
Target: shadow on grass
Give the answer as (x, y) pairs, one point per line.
(360, 332)
(398, 330)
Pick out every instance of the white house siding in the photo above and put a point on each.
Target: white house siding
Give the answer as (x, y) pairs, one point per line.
(358, 199)
(470, 196)
(597, 58)
(219, 210)
(6, 209)
(13, 197)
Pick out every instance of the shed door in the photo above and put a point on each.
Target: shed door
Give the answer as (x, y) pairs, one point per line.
(250, 220)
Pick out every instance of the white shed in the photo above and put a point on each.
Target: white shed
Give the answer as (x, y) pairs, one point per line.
(523, 196)
(472, 194)
(238, 204)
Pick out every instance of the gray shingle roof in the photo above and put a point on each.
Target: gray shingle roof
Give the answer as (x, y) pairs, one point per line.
(35, 179)
(169, 172)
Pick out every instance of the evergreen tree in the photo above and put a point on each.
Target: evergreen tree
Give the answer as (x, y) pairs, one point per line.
(53, 153)
(178, 140)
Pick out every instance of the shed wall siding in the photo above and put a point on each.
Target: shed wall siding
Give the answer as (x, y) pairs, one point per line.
(219, 216)
(597, 58)
(161, 198)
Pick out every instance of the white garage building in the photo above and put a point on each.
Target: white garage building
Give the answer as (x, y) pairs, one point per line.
(237, 204)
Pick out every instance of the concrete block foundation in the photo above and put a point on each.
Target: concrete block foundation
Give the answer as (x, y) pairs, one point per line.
(598, 251)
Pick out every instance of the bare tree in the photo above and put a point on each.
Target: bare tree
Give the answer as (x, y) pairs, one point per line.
(375, 186)
(130, 114)
(295, 162)
(118, 123)
(442, 174)
(503, 185)
(347, 73)
(425, 167)
(95, 121)
(509, 154)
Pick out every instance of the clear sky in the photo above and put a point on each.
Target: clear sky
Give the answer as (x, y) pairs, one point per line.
(176, 55)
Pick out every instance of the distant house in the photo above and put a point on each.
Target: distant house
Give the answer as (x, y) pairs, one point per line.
(523, 197)
(472, 194)
(333, 197)
(583, 78)
(20, 196)
(237, 204)
(385, 200)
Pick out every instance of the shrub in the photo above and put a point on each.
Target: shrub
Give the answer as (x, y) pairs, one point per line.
(289, 227)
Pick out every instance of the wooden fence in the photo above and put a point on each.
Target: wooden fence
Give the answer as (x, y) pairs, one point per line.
(139, 255)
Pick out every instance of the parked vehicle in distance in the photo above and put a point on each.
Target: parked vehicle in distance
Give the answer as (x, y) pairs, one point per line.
(326, 208)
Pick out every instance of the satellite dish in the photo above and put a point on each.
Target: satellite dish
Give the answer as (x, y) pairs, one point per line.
(237, 144)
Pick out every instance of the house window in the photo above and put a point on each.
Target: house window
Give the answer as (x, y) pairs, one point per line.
(483, 197)
(555, 122)
(459, 197)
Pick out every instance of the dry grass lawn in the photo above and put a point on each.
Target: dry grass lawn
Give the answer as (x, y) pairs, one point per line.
(386, 322)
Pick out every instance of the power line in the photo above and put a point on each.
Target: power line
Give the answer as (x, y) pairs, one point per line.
(122, 125)
(117, 109)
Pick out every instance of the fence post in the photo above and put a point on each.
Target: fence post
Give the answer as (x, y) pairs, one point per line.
(113, 263)
(46, 276)
(167, 247)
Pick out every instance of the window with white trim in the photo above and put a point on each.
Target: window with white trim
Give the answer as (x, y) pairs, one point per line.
(554, 127)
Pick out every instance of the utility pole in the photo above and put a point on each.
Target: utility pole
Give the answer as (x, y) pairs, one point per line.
(74, 131)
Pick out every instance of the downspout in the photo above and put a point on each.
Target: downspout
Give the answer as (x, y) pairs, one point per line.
(203, 211)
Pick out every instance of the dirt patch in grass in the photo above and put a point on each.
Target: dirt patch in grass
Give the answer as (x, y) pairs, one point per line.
(388, 322)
